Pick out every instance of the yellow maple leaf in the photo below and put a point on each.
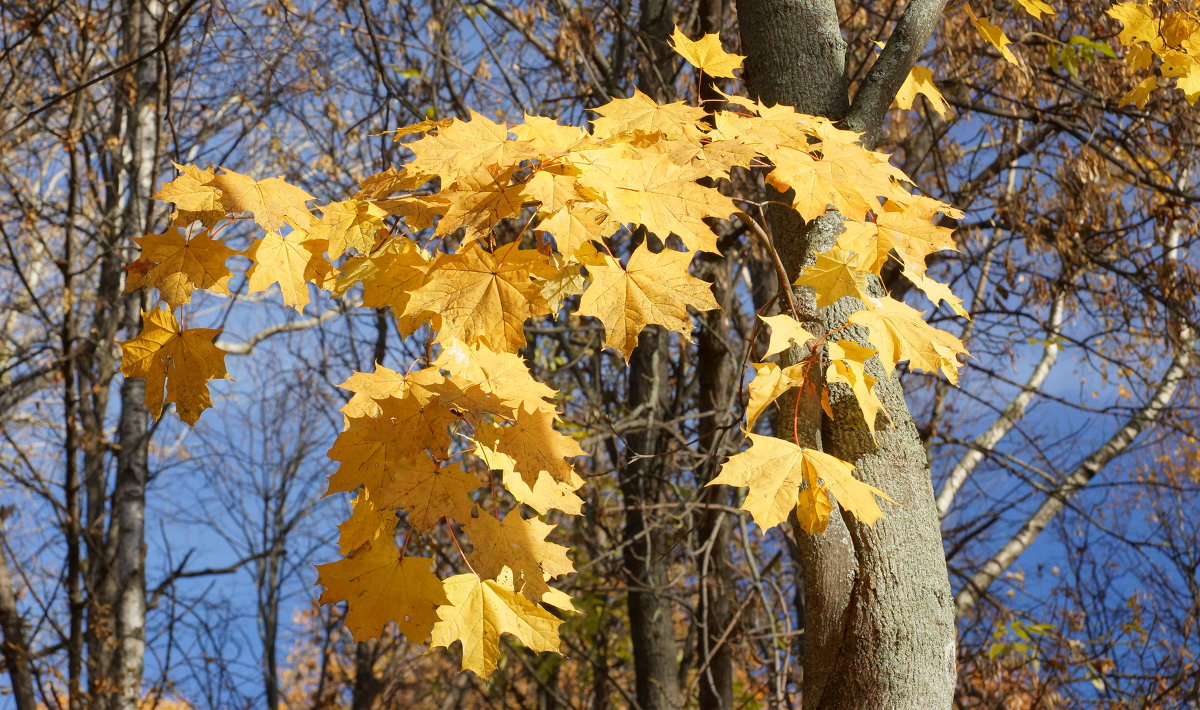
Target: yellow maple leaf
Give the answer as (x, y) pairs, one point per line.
(426, 491)
(937, 292)
(846, 177)
(477, 201)
(529, 447)
(566, 282)
(1186, 71)
(194, 196)
(483, 297)
(463, 147)
(899, 332)
(576, 226)
(1140, 94)
(786, 331)
(706, 54)
(367, 523)
(351, 223)
(547, 136)
(1037, 8)
(291, 262)
(480, 610)
(770, 381)
(919, 82)
(782, 476)
(176, 265)
(272, 201)
(652, 190)
(642, 113)
(545, 494)
(835, 274)
(652, 289)
(181, 361)
(370, 388)
(503, 375)
(1138, 24)
(371, 447)
(519, 545)
(388, 275)
(378, 586)
(904, 229)
(848, 366)
(995, 37)
(387, 183)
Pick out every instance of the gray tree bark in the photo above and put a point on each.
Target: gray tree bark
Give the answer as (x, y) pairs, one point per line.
(142, 24)
(879, 618)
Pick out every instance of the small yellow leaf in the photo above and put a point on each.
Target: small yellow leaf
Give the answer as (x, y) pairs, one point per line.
(177, 265)
(483, 297)
(899, 332)
(426, 491)
(194, 195)
(477, 201)
(995, 37)
(291, 262)
(782, 476)
(351, 223)
(1138, 24)
(706, 54)
(366, 524)
(786, 331)
(937, 292)
(920, 82)
(847, 367)
(182, 361)
(768, 384)
(272, 201)
(519, 545)
(378, 586)
(1037, 8)
(1140, 94)
(837, 273)
(480, 610)
(529, 447)
(653, 289)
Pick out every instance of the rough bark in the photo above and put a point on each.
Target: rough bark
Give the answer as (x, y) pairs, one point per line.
(715, 609)
(652, 630)
(718, 436)
(890, 636)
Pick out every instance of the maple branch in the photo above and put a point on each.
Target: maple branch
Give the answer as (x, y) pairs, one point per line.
(1012, 413)
(784, 284)
(978, 585)
(245, 348)
(901, 52)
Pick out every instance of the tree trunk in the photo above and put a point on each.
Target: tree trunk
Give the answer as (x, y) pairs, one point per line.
(141, 33)
(878, 598)
(642, 482)
(16, 649)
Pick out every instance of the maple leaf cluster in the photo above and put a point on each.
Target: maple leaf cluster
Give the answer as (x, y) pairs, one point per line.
(422, 241)
(1174, 38)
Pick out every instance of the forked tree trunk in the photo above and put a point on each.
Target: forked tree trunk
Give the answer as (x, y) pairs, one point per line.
(877, 599)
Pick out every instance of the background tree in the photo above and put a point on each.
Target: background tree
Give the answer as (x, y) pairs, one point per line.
(1034, 153)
